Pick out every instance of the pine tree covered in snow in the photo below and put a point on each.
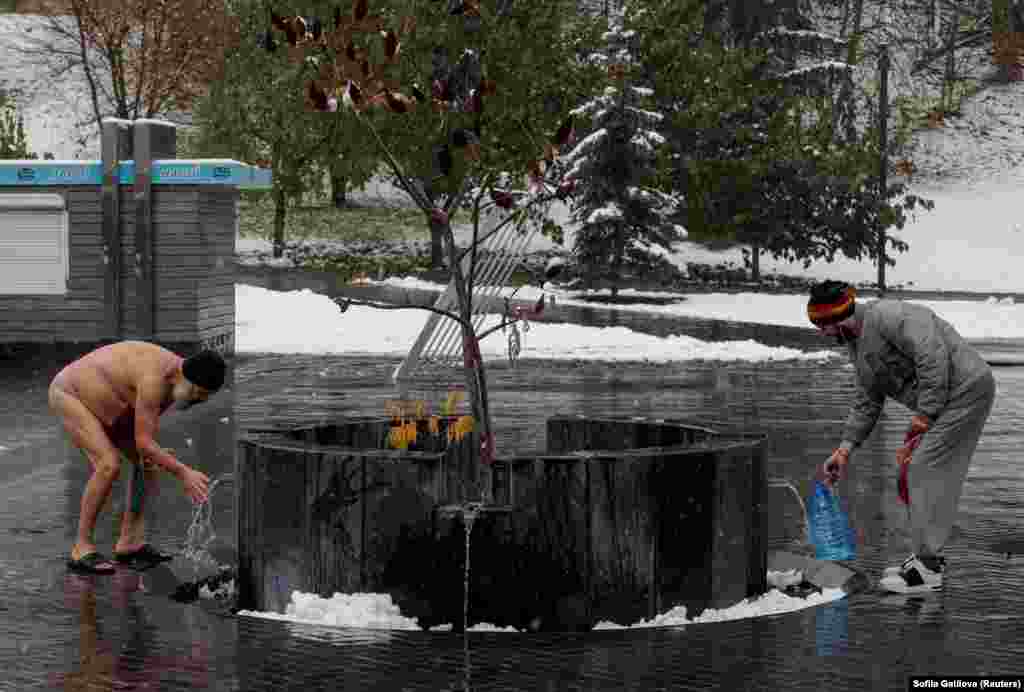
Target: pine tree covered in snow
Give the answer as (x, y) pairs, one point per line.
(624, 226)
(760, 148)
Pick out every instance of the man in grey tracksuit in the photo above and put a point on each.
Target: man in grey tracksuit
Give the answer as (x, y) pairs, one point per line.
(908, 353)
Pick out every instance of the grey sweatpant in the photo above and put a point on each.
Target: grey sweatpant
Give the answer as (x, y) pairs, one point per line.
(939, 465)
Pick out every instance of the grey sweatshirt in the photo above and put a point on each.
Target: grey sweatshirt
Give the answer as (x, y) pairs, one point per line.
(908, 353)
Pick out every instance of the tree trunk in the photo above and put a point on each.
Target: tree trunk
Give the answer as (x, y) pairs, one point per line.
(858, 19)
(755, 262)
(280, 214)
(948, 83)
(932, 30)
(846, 95)
(846, 19)
(476, 381)
(436, 248)
(339, 190)
(883, 164)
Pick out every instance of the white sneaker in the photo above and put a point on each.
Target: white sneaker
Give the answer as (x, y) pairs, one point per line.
(893, 571)
(914, 577)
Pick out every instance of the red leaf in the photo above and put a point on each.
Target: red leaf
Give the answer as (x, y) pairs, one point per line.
(278, 22)
(439, 216)
(566, 133)
(391, 45)
(379, 99)
(502, 199)
(318, 96)
(355, 95)
(398, 103)
(360, 9)
(438, 89)
(370, 24)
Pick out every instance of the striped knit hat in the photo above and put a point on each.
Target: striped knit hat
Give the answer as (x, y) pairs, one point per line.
(831, 302)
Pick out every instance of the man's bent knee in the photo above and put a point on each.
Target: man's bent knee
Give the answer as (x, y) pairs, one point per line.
(107, 465)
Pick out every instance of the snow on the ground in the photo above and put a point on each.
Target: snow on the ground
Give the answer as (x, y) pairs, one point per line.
(307, 322)
(378, 611)
(977, 320)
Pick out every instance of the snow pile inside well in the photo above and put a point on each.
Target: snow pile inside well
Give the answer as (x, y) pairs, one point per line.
(772, 603)
(369, 610)
(378, 611)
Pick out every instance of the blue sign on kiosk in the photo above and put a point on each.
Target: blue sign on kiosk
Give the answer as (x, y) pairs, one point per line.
(171, 172)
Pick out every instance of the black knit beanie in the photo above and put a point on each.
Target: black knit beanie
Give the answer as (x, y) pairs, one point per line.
(831, 302)
(205, 369)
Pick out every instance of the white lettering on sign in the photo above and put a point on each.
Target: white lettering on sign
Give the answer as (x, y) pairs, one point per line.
(179, 172)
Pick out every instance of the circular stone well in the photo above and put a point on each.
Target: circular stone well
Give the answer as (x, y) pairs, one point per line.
(621, 519)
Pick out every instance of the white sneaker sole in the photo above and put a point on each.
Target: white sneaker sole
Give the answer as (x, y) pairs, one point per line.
(895, 584)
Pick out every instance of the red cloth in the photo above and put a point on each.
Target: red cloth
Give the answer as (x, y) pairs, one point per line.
(912, 441)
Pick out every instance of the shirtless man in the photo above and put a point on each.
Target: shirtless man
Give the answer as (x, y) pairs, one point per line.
(110, 402)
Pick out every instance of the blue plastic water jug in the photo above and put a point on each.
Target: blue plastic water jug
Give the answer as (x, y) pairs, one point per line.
(829, 525)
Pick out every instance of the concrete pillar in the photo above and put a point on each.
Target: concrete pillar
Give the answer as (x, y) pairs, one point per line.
(116, 146)
(152, 140)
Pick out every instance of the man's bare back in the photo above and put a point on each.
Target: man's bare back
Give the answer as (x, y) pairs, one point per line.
(107, 380)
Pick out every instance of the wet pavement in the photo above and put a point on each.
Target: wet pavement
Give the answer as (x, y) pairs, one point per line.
(63, 631)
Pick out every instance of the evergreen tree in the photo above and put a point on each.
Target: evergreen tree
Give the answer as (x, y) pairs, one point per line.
(13, 142)
(624, 226)
(765, 151)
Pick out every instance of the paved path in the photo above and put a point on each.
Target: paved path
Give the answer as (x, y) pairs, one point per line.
(59, 631)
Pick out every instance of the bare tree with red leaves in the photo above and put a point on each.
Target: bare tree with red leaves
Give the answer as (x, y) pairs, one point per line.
(472, 111)
(139, 58)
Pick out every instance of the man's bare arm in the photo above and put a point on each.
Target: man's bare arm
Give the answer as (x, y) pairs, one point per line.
(147, 422)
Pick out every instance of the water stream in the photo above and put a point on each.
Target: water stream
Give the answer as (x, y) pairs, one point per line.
(200, 534)
(469, 515)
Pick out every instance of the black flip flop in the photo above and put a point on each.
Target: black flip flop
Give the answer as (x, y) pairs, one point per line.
(145, 557)
(90, 564)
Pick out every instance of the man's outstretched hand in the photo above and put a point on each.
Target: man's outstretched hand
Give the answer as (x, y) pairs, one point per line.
(196, 485)
(835, 466)
(919, 425)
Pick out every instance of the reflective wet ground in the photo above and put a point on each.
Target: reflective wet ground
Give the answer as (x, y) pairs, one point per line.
(62, 631)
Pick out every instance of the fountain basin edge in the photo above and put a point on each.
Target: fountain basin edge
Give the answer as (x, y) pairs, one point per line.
(619, 520)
